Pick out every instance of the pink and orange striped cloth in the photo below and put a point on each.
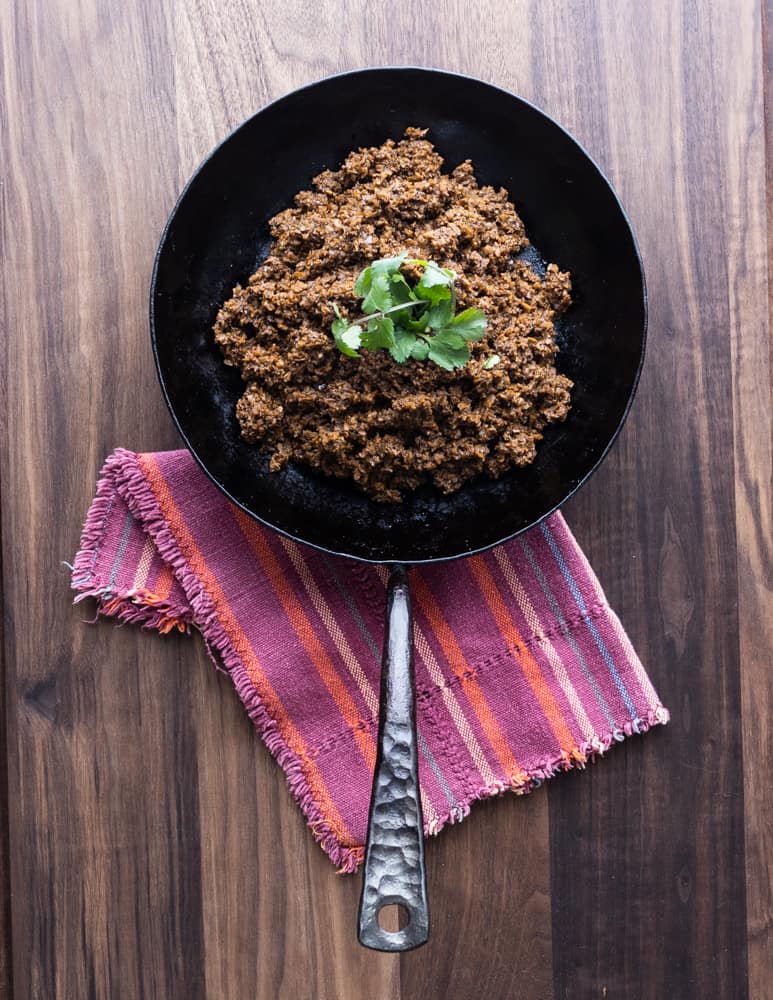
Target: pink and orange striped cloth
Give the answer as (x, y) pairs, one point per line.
(522, 668)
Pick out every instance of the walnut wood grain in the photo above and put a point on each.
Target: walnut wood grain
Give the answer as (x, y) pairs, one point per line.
(752, 408)
(6, 952)
(657, 833)
(153, 847)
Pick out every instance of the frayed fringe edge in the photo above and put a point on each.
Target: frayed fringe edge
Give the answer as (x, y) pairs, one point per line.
(123, 475)
(525, 782)
(138, 607)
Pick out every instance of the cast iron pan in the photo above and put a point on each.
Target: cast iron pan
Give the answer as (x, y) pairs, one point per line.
(216, 236)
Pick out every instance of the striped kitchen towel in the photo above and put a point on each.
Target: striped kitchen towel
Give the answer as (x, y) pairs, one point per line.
(522, 668)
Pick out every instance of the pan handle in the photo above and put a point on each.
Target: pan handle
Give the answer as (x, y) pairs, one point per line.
(394, 854)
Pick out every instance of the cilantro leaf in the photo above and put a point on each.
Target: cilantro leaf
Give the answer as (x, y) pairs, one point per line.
(419, 324)
(379, 298)
(420, 349)
(388, 265)
(441, 314)
(380, 333)
(446, 356)
(348, 339)
(363, 282)
(340, 324)
(401, 290)
(471, 324)
(449, 337)
(434, 293)
(403, 345)
(435, 275)
(436, 283)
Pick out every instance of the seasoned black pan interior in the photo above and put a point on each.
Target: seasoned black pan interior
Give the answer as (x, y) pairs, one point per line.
(218, 233)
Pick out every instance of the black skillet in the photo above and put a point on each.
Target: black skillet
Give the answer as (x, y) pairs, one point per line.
(216, 236)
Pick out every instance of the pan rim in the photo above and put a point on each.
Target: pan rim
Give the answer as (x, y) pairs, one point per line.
(292, 94)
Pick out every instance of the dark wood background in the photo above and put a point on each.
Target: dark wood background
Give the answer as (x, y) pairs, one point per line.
(150, 846)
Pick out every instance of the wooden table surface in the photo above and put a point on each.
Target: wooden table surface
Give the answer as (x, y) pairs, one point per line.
(150, 846)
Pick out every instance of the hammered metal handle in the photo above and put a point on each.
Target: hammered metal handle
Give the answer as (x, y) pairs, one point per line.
(394, 854)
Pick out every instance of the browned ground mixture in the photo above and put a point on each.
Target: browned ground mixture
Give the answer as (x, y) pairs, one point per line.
(392, 427)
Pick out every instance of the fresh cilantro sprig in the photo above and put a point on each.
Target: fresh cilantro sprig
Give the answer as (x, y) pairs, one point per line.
(418, 322)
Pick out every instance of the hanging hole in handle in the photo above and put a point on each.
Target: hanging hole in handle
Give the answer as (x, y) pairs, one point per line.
(393, 917)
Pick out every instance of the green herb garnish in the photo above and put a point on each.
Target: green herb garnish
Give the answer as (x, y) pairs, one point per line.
(418, 322)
